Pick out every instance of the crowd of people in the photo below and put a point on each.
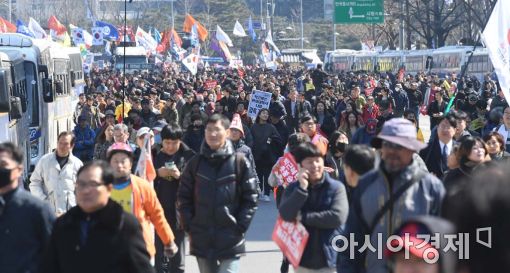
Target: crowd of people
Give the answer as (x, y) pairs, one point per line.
(365, 171)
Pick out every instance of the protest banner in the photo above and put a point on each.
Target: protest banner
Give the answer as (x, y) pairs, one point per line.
(259, 100)
(286, 170)
(291, 238)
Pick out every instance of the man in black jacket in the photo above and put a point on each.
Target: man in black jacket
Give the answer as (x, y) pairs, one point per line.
(97, 235)
(217, 199)
(25, 221)
(169, 163)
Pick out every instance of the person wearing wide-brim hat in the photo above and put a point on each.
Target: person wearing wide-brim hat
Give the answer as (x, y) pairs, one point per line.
(398, 180)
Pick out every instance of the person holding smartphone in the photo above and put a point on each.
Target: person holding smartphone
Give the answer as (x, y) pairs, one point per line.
(319, 202)
(169, 163)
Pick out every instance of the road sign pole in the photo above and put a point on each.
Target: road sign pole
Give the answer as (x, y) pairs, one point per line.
(334, 36)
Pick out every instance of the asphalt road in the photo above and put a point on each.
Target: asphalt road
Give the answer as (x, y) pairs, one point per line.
(263, 256)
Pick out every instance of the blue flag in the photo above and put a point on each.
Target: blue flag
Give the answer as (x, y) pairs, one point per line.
(109, 30)
(157, 35)
(23, 29)
(194, 36)
(251, 30)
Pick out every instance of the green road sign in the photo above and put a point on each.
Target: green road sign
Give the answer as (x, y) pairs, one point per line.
(359, 11)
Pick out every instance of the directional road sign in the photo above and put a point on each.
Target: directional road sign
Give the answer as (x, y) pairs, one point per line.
(359, 11)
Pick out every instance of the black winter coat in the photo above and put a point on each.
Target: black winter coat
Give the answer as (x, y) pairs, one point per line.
(215, 206)
(114, 243)
(167, 189)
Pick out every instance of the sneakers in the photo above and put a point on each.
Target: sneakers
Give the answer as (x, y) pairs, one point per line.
(265, 198)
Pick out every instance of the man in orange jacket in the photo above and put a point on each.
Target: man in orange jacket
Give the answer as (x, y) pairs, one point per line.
(138, 197)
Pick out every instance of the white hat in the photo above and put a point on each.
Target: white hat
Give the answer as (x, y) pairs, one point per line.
(144, 130)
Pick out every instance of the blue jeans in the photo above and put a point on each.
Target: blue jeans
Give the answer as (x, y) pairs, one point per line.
(218, 266)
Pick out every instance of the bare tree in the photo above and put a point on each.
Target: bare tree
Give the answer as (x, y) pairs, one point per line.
(434, 20)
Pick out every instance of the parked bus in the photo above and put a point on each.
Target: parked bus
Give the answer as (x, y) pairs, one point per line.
(47, 70)
(14, 119)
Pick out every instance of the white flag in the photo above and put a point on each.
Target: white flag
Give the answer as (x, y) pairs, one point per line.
(87, 38)
(191, 63)
(97, 36)
(222, 36)
(239, 30)
(146, 40)
(497, 39)
(35, 28)
(269, 40)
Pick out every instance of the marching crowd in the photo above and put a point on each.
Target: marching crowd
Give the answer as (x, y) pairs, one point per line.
(363, 171)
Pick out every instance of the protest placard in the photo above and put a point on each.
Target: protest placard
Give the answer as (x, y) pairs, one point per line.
(259, 100)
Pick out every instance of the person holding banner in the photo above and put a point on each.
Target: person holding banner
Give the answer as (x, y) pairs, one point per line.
(320, 204)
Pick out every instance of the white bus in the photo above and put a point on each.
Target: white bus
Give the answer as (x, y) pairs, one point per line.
(77, 74)
(365, 61)
(390, 61)
(14, 119)
(135, 57)
(47, 68)
(342, 60)
(449, 59)
(417, 61)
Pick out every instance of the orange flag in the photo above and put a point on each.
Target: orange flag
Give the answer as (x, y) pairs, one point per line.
(188, 24)
(177, 39)
(6, 26)
(55, 25)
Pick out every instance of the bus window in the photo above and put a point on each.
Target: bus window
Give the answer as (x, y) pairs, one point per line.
(32, 94)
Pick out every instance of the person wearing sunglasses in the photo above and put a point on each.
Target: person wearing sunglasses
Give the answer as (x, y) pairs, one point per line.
(396, 190)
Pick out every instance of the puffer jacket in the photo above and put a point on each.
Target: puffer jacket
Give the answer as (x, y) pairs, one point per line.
(424, 197)
(55, 185)
(215, 206)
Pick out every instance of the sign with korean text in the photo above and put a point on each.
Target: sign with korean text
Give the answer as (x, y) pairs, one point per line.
(286, 170)
(259, 100)
(210, 84)
(291, 238)
(359, 11)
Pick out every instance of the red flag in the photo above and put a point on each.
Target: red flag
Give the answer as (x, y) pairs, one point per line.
(6, 26)
(188, 24)
(55, 25)
(165, 42)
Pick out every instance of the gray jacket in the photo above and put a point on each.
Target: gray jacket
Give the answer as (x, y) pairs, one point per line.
(423, 198)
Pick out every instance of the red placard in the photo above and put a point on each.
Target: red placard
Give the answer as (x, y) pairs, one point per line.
(286, 170)
(210, 84)
(291, 238)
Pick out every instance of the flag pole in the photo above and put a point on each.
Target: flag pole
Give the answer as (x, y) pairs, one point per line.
(464, 68)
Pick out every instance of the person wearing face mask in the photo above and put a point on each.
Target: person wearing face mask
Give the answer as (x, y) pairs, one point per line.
(25, 220)
(169, 163)
(338, 142)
